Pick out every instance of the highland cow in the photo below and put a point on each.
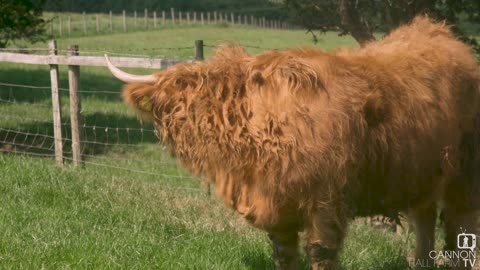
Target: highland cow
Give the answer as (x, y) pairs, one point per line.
(303, 140)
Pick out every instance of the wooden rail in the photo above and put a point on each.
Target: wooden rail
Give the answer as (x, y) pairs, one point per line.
(127, 62)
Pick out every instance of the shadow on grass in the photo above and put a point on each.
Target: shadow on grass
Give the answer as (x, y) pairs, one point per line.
(253, 260)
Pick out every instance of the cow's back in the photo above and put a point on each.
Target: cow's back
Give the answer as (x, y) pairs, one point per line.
(424, 83)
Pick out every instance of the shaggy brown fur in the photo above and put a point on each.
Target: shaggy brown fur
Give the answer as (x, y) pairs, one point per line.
(303, 139)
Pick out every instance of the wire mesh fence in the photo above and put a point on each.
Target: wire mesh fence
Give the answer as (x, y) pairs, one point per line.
(111, 136)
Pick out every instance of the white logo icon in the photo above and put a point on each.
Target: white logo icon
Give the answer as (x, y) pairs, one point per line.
(467, 241)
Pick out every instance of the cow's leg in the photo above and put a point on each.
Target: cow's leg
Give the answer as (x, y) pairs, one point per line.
(462, 201)
(424, 218)
(324, 239)
(458, 222)
(285, 250)
(460, 214)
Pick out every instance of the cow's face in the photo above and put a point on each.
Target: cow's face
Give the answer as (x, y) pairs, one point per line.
(144, 93)
(198, 87)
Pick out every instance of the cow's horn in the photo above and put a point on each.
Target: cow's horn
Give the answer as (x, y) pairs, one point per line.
(129, 78)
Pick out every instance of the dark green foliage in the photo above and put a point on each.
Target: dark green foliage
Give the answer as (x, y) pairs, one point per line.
(21, 19)
(378, 15)
(248, 7)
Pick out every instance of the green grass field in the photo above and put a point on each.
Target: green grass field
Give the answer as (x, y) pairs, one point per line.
(131, 207)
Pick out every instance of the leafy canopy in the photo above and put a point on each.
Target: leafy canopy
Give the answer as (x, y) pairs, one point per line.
(361, 18)
(21, 19)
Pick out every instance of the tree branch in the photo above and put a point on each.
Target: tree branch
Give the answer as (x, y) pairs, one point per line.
(351, 22)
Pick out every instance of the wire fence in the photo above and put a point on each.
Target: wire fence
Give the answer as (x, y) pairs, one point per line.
(109, 140)
(69, 24)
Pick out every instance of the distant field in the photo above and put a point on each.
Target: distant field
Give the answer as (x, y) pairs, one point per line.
(179, 42)
(137, 210)
(76, 24)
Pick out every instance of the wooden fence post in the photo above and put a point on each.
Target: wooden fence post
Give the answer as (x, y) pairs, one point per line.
(252, 20)
(155, 19)
(172, 13)
(135, 20)
(232, 18)
(208, 17)
(97, 19)
(124, 21)
(180, 17)
(69, 25)
(60, 30)
(199, 50)
(56, 106)
(194, 17)
(146, 19)
(245, 19)
(215, 17)
(84, 24)
(188, 18)
(202, 19)
(110, 21)
(263, 22)
(163, 18)
(75, 107)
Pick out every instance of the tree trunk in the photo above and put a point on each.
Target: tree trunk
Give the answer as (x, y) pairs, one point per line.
(387, 14)
(351, 22)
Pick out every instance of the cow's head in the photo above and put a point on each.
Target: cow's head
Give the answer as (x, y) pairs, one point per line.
(138, 91)
(200, 87)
